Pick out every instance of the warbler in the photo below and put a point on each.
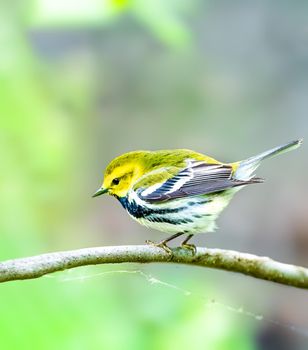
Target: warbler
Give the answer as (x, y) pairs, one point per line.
(179, 191)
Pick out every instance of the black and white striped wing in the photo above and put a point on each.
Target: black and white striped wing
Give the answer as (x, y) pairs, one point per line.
(196, 179)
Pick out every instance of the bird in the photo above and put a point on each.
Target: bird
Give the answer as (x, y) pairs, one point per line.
(179, 192)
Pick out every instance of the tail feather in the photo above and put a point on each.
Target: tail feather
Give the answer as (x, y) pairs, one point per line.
(248, 166)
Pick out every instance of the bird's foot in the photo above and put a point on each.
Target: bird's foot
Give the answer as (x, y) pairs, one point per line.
(161, 244)
(190, 247)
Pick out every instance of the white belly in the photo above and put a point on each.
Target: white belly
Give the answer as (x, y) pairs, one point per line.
(191, 215)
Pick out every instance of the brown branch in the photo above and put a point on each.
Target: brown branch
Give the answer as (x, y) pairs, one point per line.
(248, 264)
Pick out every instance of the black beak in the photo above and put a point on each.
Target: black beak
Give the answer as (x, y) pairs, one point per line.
(99, 192)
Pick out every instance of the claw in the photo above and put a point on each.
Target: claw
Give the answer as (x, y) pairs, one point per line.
(161, 244)
(191, 247)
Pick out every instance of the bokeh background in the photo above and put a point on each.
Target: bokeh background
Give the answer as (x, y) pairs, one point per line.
(84, 81)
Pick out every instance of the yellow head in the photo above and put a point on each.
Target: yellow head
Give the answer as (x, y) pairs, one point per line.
(122, 173)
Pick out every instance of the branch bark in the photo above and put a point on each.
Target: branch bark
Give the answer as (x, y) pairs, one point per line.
(248, 264)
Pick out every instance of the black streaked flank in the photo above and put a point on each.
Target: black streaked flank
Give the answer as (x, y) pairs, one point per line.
(198, 216)
(168, 220)
(139, 211)
(193, 203)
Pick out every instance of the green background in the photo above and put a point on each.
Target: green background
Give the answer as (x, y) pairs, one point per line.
(84, 81)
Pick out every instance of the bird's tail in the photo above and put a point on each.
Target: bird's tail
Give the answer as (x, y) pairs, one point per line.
(245, 168)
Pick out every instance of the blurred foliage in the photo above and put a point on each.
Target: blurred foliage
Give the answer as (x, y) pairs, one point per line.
(162, 18)
(83, 81)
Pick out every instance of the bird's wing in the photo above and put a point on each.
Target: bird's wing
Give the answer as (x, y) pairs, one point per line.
(196, 178)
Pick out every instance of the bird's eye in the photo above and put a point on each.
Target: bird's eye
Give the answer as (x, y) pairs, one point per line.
(115, 181)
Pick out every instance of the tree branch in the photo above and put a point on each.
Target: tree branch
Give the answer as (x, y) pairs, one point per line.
(248, 264)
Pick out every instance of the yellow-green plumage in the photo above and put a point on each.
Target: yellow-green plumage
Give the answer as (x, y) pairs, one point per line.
(179, 191)
(144, 162)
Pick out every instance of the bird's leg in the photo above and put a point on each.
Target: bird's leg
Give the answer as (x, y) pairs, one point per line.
(163, 244)
(186, 245)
